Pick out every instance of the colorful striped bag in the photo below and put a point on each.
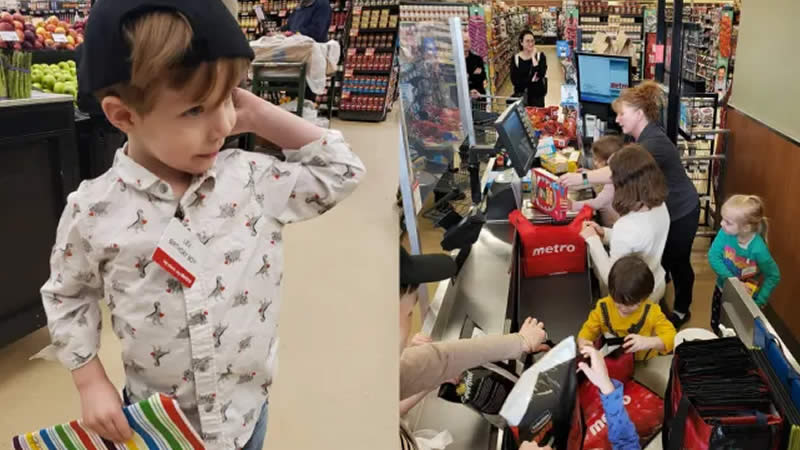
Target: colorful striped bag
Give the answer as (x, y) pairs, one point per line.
(157, 424)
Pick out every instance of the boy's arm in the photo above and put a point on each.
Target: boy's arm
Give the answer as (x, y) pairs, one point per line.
(716, 257)
(663, 329)
(71, 294)
(772, 275)
(282, 128)
(593, 327)
(312, 180)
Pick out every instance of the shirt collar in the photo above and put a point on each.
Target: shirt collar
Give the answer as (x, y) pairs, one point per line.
(649, 130)
(136, 176)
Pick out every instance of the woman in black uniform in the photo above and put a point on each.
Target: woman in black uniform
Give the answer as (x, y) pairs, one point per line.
(638, 110)
(529, 71)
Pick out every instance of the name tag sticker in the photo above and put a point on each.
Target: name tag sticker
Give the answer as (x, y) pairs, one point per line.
(180, 252)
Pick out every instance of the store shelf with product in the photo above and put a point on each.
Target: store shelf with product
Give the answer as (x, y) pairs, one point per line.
(505, 28)
(366, 82)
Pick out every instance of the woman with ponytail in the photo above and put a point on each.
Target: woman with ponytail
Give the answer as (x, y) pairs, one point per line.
(638, 110)
(740, 250)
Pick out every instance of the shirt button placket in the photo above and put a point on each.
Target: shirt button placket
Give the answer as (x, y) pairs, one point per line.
(202, 347)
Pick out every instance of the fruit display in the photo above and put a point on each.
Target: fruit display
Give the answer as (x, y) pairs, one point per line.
(16, 76)
(58, 78)
(41, 34)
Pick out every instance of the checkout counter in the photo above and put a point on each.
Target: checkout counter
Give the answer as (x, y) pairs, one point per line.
(491, 294)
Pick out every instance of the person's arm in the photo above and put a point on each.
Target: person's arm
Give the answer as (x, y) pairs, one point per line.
(516, 80)
(282, 128)
(541, 69)
(716, 256)
(425, 367)
(621, 432)
(603, 199)
(772, 275)
(592, 328)
(596, 176)
(70, 298)
(600, 258)
(407, 404)
(663, 329)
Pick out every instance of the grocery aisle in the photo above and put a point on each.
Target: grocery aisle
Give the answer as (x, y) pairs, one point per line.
(340, 298)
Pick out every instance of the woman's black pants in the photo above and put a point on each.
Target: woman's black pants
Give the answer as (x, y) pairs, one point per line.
(677, 258)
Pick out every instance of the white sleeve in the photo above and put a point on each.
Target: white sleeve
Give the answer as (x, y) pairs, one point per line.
(600, 258)
(72, 293)
(313, 179)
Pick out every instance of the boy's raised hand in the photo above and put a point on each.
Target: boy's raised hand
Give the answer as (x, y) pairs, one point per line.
(244, 102)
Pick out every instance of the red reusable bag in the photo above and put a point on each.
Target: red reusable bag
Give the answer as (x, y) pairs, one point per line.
(645, 409)
(551, 249)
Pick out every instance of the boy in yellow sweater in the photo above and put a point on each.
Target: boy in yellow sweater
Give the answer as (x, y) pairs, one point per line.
(628, 312)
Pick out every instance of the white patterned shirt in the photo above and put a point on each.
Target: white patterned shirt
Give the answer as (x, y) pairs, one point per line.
(207, 345)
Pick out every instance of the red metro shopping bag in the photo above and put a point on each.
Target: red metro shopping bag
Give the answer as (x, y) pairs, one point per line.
(551, 249)
(645, 409)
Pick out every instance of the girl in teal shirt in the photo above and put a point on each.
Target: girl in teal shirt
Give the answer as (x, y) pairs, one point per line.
(740, 251)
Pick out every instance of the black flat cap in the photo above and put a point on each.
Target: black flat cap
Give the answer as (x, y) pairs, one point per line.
(105, 55)
(420, 269)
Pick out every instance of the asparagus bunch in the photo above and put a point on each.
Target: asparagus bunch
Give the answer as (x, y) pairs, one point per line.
(19, 75)
(3, 66)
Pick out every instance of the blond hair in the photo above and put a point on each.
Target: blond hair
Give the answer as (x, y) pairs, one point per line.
(646, 96)
(749, 210)
(160, 43)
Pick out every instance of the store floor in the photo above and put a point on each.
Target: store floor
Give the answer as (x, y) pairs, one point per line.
(340, 298)
(431, 236)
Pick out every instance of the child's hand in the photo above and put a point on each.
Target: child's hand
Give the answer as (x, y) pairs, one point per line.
(420, 339)
(597, 373)
(636, 343)
(244, 102)
(585, 343)
(533, 446)
(592, 229)
(102, 411)
(532, 332)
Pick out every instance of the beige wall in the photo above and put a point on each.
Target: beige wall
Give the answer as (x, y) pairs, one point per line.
(766, 85)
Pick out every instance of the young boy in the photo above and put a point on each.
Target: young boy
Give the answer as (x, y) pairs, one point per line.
(183, 242)
(628, 312)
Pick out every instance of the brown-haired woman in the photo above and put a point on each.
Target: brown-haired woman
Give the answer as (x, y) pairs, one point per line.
(638, 111)
(639, 197)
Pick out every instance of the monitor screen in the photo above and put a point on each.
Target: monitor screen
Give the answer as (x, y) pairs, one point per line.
(601, 78)
(516, 139)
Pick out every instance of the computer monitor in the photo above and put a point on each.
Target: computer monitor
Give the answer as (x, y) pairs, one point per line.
(516, 134)
(601, 78)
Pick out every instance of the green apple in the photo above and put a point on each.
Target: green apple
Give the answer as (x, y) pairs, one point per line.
(58, 88)
(37, 86)
(48, 81)
(69, 90)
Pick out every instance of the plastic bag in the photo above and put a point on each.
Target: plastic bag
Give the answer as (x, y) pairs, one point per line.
(321, 59)
(542, 403)
(432, 440)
